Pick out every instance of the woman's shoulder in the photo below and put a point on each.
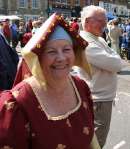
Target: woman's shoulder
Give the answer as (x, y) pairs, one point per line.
(12, 96)
(12, 119)
(20, 86)
(22, 91)
(76, 78)
(81, 84)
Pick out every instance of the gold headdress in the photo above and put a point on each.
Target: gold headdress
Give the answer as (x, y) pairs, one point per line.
(36, 44)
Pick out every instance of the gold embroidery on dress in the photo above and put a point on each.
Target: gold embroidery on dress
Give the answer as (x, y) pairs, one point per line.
(38, 45)
(15, 93)
(94, 107)
(27, 127)
(33, 134)
(9, 104)
(36, 87)
(6, 147)
(91, 97)
(85, 105)
(39, 107)
(61, 146)
(68, 123)
(86, 130)
(27, 75)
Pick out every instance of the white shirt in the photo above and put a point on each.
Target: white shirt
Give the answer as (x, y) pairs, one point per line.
(105, 64)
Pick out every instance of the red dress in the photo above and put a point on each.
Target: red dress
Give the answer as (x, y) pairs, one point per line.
(75, 26)
(25, 125)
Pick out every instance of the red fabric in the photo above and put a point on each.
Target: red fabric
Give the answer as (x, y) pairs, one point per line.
(28, 125)
(9, 131)
(6, 31)
(26, 38)
(22, 72)
(75, 26)
(29, 26)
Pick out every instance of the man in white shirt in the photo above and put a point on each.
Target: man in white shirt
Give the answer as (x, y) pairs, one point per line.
(105, 64)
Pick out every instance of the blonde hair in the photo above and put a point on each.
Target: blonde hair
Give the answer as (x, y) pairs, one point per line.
(90, 11)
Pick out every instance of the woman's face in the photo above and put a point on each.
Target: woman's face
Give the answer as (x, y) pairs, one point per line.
(57, 59)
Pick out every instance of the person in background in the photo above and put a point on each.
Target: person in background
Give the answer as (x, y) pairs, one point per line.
(26, 37)
(29, 26)
(1, 27)
(74, 25)
(128, 39)
(115, 32)
(80, 25)
(105, 64)
(14, 34)
(39, 23)
(7, 30)
(51, 108)
(122, 27)
(8, 64)
(35, 25)
(42, 20)
(70, 21)
(124, 48)
(22, 31)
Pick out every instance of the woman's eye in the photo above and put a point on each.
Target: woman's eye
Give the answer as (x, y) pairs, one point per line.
(67, 49)
(50, 51)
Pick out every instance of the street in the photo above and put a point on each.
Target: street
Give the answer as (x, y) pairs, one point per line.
(119, 134)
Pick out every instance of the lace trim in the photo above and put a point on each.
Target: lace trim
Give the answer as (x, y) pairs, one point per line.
(38, 93)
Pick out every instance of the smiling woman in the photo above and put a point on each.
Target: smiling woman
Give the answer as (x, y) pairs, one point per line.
(57, 59)
(50, 108)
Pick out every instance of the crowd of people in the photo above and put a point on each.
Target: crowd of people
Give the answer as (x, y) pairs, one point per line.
(66, 82)
(16, 31)
(116, 32)
(117, 36)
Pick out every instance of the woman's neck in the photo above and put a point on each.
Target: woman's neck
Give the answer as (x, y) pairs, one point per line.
(58, 86)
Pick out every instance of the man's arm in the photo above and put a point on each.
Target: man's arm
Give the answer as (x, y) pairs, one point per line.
(102, 59)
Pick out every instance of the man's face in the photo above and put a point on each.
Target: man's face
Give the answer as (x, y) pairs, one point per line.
(96, 23)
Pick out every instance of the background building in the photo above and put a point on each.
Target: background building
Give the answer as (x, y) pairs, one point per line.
(24, 8)
(66, 7)
(119, 8)
(35, 8)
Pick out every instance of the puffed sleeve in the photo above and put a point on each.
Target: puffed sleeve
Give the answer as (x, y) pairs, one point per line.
(13, 122)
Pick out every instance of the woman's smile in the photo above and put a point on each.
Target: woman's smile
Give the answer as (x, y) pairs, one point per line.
(60, 66)
(57, 59)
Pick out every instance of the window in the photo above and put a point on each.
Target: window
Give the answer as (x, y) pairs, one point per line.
(32, 17)
(1, 4)
(22, 3)
(58, 1)
(35, 4)
(106, 6)
(77, 2)
(64, 1)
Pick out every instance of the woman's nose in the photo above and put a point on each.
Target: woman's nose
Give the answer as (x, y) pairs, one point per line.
(61, 56)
